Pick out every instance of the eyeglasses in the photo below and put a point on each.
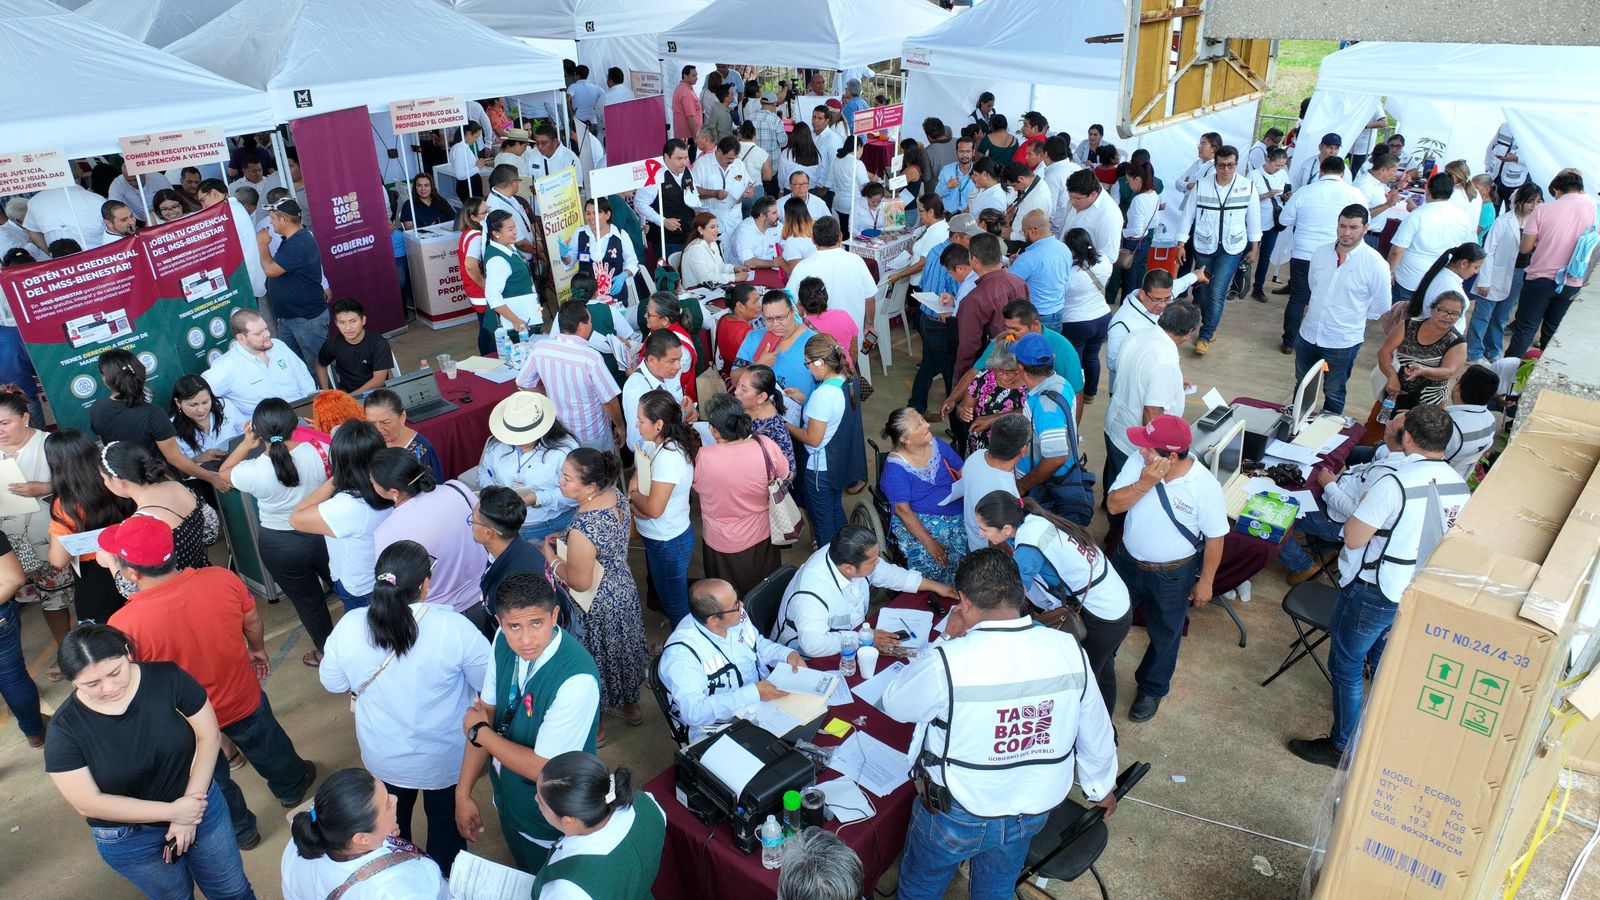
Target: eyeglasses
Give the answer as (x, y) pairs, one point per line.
(737, 605)
(1228, 165)
(169, 208)
(1445, 313)
(774, 320)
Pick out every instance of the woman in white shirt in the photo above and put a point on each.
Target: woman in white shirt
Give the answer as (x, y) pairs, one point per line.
(702, 261)
(825, 474)
(848, 174)
(201, 420)
(1085, 315)
(1500, 280)
(600, 816)
(797, 243)
(1447, 274)
(346, 510)
(659, 497)
(279, 478)
(1138, 222)
(508, 287)
(413, 668)
(802, 155)
(869, 211)
(1465, 196)
(525, 453)
(347, 828)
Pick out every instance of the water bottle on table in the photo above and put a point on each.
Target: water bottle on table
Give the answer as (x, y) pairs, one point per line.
(771, 843)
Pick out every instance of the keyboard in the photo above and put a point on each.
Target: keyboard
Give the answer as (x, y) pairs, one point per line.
(1234, 495)
(1319, 432)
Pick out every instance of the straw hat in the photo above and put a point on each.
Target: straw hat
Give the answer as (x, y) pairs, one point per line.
(520, 135)
(522, 418)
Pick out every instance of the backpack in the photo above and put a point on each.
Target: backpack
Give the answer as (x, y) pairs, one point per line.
(1585, 254)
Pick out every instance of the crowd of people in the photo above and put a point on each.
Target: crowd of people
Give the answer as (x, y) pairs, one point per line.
(491, 620)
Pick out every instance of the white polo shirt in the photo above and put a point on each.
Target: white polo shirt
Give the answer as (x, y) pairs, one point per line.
(814, 206)
(1313, 212)
(243, 380)
(1429, 231)
(1376, 193)
(1197, 503)
(1103, 221)
(1148, 374)
(1344, 296)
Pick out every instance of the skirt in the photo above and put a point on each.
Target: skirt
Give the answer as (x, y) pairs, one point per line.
(744, 569)
(949, 531)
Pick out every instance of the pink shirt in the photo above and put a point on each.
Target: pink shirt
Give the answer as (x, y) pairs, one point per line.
(575, 378)
(835, 322)
(687, 114)
(733, 510)
(1558, 223)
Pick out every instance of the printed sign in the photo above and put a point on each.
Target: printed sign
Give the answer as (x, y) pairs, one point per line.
(645, 84)
(626, 177)
(33, 170)
(916, 58)
(427, 113)
(145, 153)
(879, 117)
(561, 212)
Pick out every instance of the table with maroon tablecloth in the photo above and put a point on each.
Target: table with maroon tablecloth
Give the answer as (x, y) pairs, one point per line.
(769, 279)
(458, 436)
(876, 155)
(699, 861)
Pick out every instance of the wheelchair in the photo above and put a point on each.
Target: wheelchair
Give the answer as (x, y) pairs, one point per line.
(873, 510)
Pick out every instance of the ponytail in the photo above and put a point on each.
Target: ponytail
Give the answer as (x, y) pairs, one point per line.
(825, 347)
(274, 422)
(345, 806)
(133, 463)
(399, 573)
(578, 785)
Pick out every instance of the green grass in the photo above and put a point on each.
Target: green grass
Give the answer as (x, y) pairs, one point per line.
(1296, 76)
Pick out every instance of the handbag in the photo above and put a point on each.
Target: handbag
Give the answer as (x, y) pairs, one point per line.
(584, 599)
(783, 514)
(1127, 256)
(1067, 617)
(356, 694)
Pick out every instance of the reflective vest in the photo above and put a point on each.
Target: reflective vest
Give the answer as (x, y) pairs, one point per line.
(1220, 214)
(1391, 555)
(1471, 433)
(722, 674)
(1365, 476)
(1105, 595)
(1005, 744)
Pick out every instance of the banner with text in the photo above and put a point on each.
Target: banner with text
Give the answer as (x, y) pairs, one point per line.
(33, 170)
(426, 114)
(159, 152)
(562, 213)
(346, 203)
(623, 178)
(878, 118)
(164, 294)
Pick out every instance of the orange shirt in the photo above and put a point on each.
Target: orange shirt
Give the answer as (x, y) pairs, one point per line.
(196, 619)
(59, 530)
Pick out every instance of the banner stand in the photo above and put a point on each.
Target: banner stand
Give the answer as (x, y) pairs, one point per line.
(281, 156)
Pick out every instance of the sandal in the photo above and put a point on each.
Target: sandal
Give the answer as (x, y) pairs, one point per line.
(236, 761)
(857, 488)
(634, 720)
(53, 674)
(313, 658)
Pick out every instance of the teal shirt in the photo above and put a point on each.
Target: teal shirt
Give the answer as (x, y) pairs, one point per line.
(1068, 365)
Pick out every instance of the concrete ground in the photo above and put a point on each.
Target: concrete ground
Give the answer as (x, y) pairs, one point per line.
(1224, 813)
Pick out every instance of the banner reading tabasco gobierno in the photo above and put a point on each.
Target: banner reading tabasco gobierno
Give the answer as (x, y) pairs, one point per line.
(164, 294)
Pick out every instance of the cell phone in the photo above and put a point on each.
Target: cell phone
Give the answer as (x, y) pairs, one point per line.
(902, 634)
(169, 852)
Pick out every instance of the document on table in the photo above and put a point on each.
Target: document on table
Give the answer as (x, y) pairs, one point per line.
(731, 763)
(1332, 444)
(787, 713)
(14, 504)
(846, 801)
(871, 690)
(805, 681)
(475, 878)
(85, 542)
(479, 364)
(1292, 452)
(499, 375)
(870, 763)
(841, 691)
(917, 621)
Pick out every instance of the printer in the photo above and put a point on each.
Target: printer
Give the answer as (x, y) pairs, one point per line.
(711, 798)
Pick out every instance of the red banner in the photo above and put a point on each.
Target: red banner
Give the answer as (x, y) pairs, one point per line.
(636, 129)
(345, 212)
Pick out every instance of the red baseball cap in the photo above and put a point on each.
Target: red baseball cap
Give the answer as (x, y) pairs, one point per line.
(1168, 434)
(141, 540)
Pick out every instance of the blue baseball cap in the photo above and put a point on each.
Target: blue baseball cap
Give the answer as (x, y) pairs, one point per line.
(1033, 350)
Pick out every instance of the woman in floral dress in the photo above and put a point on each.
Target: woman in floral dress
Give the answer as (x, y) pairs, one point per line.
(996, 391)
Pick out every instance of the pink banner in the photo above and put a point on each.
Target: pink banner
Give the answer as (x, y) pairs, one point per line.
(345, 200)
(636, 129)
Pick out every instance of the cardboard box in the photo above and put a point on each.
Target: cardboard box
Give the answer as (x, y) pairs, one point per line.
(1459, 749)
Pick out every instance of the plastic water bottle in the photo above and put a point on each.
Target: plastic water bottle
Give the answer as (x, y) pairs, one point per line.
(1386, 412)
(847, 658)
(772, 842)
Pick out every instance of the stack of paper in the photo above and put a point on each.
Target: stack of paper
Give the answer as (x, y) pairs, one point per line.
(919, 622)
(871, 690)
(870, 763)
(785, 714)
(804, 681)
(475, 878)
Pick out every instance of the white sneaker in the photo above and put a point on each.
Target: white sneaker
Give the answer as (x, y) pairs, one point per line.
(1244, 592)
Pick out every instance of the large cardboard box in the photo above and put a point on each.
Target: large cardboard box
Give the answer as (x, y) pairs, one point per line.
(1459, 746)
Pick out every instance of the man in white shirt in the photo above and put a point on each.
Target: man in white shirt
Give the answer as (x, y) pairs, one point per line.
(756, 240)
(1149, 382)
(990, 194)
(1055, 171)
(757, 164)
(800, 188)
(1257, 157)
(617, 89)
(476, 113)
(850, 284)
(514, 151)
(712, 665)
(1268, 181)
(126, 189)
(255, 177)
(257, 367)
(550, 156)
(1323, 527)
(723, 185)
(1328, 149)
(1087, 205)
(1171, 544)
(1313, 213)
(1379, 184)
(1225, 220)
(116, 223)
(993, 469)
(1142, 311)
(1430, 230)
(675, 185)
(826, 602)
(585, 96)
(1031, 194)
(504, 181)
(829, 137)
(1349, 287)
(1503, 163)
(69, 212)
(1384, 540)
(12, 236)
(663, 361)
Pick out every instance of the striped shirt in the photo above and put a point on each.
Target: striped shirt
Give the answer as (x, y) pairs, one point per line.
(574, 376)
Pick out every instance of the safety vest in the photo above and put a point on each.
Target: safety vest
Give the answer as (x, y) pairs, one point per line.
(1005, 744)
(472, 289)
(1391, 555)
(1471, 433)
(1105, 595)
(722, 674)
(610, 254)
(1220, 214)
(673, 204)
(1366, 475)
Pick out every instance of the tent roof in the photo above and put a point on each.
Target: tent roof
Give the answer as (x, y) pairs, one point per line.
(829, 34)
(118, 86)
(1040, 41)
(368, 53)
(1499, 74)
(155, 22)
(577, 19)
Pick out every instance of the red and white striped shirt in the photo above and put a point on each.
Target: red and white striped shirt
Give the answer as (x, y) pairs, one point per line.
(575, 378)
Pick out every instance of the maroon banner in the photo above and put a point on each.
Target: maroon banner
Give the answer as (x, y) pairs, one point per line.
(345, 196)
(636, 129)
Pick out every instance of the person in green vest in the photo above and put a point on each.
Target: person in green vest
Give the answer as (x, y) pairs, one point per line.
(540, 699)
(611, 836)
(508, 290)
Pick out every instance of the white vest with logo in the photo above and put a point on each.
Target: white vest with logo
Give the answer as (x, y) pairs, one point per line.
(1365, 476)
(1391, 554)
(1471, 433)
(722, 673)
(1005, 745)
(1105, 595)
(1220, 214)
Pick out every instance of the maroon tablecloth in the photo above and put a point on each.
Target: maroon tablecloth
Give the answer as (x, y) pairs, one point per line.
(699, 862)
(877, 155)
(1242, 555)
(770, 279)
(458, 435)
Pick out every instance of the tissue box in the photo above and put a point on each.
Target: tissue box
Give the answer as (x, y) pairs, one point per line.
(1268, 516)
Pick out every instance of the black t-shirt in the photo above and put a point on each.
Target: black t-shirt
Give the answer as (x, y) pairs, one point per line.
(144, 424)
(353, 364)
(144, 753)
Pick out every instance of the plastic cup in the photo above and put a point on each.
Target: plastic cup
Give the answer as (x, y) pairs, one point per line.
(447, 365)
(867, 661)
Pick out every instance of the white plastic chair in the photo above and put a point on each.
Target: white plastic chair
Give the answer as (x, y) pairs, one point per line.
(891, 303)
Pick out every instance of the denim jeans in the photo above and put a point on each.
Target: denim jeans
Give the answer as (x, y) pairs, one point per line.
(1051, 320)
(298, 563)
(1318, 530)
(936, 361)
(486, 345)
(1269, 240)
(305, 336)
(668, 562)
(1398, 294)
(1539, 313)
(937, 843)
(1220, 265)
(824, 504)
(351, 601)
(274, 758)
(212, 862)
(1340, 360)
(1359, 631)
(536, 532)
(1087, 337)
(1486, 333)
(16, 685)
(1294, 312)
(1165, 597)
(439, 808)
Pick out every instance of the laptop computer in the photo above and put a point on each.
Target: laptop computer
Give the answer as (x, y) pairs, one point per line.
(419, 394)
(1226, 461)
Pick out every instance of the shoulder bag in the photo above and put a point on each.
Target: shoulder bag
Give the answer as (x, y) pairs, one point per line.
(356, 694)
(783, 514)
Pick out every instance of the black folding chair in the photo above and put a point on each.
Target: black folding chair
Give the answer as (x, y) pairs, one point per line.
(1072, 840)
(680, 732)
(763, 600)
(1310, 608)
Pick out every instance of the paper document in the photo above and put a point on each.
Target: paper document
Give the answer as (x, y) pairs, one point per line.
(958, 490)
(870, 763)
(731, 763)
(1332, 444)
(845, 800)
(931, 301)
(1292, 452)
(499, 375)
(871, 690)
(84, 542)
(475, 878)
(479, 364)
(917, 621)
(14, 504)
(1213, 399)
(805, 681)
(772, 718)
(841, 692)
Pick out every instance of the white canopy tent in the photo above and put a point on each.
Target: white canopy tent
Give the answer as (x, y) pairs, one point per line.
(1459, 94)
(825, 34)
(118, 86)
(155, 22)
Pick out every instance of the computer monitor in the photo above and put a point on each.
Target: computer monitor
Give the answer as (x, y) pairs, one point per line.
(1307, 398)
(1227, 454)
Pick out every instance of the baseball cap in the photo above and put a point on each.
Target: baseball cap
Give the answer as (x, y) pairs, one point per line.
(1033, 350)
(1168, 434)
(769, 97)
(287, 206)
(1332, 140)
(964, 223)
(141, 540)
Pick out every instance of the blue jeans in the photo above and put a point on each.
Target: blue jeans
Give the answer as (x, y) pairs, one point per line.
(1087, 337)
(1220, 265)
(536, 532)
(1398, 294)
(16, 368)
(16, 685)
(1294, 312)
(1164, 595)
(1051, 320)
(1543, 305)
(212, 862)
(1319, 530)
(1340, 360)
(305, 337)
(936, 361)
(1486, 333)
(1360, 630)
(668, 561)
(351, 601)
(937, 843)
(271, 754)
(824, 504)
(486, 345)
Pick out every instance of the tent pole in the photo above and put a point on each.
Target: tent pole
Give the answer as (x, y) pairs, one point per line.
(281, 156)
(149, 214)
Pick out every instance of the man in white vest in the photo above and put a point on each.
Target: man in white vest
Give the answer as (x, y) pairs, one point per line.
(713, 664)
(1386, 538)
(1006, 709)
(1472, 424)
(1225, 220)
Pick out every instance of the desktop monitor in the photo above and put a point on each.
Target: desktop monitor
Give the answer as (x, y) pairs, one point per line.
(1307, 398)
(1227, 454)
